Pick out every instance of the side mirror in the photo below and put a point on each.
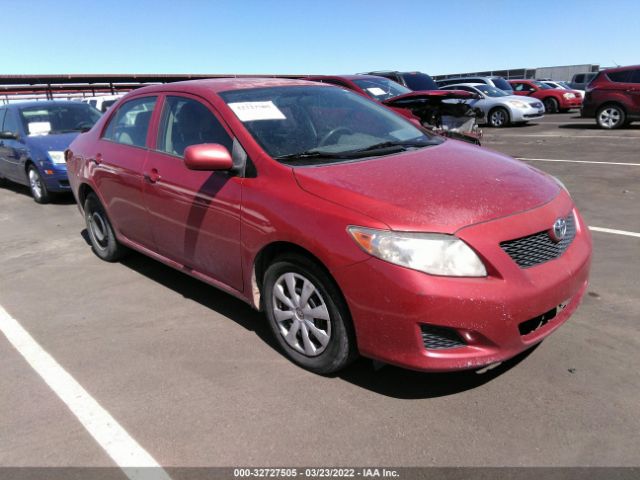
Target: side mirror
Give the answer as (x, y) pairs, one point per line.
(207, 156)
(8, 136)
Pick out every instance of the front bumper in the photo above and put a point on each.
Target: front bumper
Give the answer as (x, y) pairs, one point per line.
(391, 307)
(571, 103)
(55, 178)
(519, 115)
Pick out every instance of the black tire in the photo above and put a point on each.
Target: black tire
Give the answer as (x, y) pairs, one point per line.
(37, 187)
(498, 117)
(550, 105)
(340, 348)
(103, 241)
(611, 116)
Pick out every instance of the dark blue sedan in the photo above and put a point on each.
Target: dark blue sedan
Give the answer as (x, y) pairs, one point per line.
(33, 138)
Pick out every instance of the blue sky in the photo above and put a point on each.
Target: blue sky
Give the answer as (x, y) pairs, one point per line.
(322, 36)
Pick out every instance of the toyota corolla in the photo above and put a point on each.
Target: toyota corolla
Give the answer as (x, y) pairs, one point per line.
(355, 231)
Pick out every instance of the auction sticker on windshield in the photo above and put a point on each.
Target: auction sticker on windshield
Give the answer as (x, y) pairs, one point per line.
(377, 91)
(39, 128)
(250, 111)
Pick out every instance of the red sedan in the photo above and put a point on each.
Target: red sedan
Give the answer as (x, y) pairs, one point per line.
(554, 99)
(355, 231)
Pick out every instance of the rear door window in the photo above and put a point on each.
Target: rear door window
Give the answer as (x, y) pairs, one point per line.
(188, 122)
(130, 124)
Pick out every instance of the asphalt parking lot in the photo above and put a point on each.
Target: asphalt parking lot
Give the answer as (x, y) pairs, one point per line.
(193, 376)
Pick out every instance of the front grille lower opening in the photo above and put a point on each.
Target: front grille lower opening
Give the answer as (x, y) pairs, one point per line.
(535, 323)
(440, 338)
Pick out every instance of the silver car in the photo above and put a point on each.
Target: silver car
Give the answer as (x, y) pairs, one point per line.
(499, 108)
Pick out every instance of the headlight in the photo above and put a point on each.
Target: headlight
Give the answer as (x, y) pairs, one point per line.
(56, 157)
(568, 96)
(433, 253)
(517, 104)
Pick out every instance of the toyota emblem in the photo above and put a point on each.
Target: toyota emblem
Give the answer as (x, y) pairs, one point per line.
(559, 230)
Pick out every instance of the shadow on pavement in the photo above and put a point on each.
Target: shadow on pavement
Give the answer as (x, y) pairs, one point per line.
(388, 380)
(56, 198)
(407, 384)
(593, 126)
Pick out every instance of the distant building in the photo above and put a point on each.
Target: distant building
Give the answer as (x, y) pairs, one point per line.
(565, 72)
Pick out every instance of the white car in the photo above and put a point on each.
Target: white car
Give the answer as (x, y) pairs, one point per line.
(499, 108)
(102, 102)
(562, 86)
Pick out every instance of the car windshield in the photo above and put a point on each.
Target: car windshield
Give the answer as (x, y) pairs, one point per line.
(542, 86)
(381, 88)
(419, 81)
(311, 125)
(58, 118)
(490, 91)
(564, 85)
(502, 84)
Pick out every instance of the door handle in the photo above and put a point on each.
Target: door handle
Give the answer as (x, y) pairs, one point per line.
(152, 176)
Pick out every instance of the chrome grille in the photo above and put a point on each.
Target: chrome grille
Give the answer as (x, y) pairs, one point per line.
(538, 248)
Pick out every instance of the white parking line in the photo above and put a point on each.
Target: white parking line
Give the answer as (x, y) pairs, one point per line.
(615, 232)
(558, 135)
(119, 445)
(576, 161)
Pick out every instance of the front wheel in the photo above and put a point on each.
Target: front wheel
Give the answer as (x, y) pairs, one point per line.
(550, 105)
(37, 186)
(103, 240)
(307, 315)
(498, 117)
(610, 117)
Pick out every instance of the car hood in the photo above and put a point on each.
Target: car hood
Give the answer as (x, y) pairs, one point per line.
(432, 97)
(529, 100)
(434, 189)
(55, 142)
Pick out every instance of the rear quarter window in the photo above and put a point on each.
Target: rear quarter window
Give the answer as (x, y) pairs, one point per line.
(619, 77)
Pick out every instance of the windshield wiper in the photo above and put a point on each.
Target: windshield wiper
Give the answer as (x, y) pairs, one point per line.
(401, 146)
(308, 154)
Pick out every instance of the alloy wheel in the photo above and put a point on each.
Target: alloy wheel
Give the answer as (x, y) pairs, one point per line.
(498, 118)
(609, 117)
(35, 183)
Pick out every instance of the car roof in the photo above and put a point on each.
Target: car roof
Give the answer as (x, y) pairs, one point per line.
(619, 69)
(217, 85)
(39, 103)
(468, 84)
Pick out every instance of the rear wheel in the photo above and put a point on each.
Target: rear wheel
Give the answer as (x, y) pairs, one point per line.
(550, 105)
(307, 315)
(37, 186)
(103, 240)
(610, 117)
(499, 117)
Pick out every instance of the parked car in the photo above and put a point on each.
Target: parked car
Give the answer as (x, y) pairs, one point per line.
(498, 108)
(416, 81)
(353, 229)
(580, 80)
(493, 81)
(554, 100)
(561, 86)
(102, 102)
(444, 114)
(613, 97)
(33, 137)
